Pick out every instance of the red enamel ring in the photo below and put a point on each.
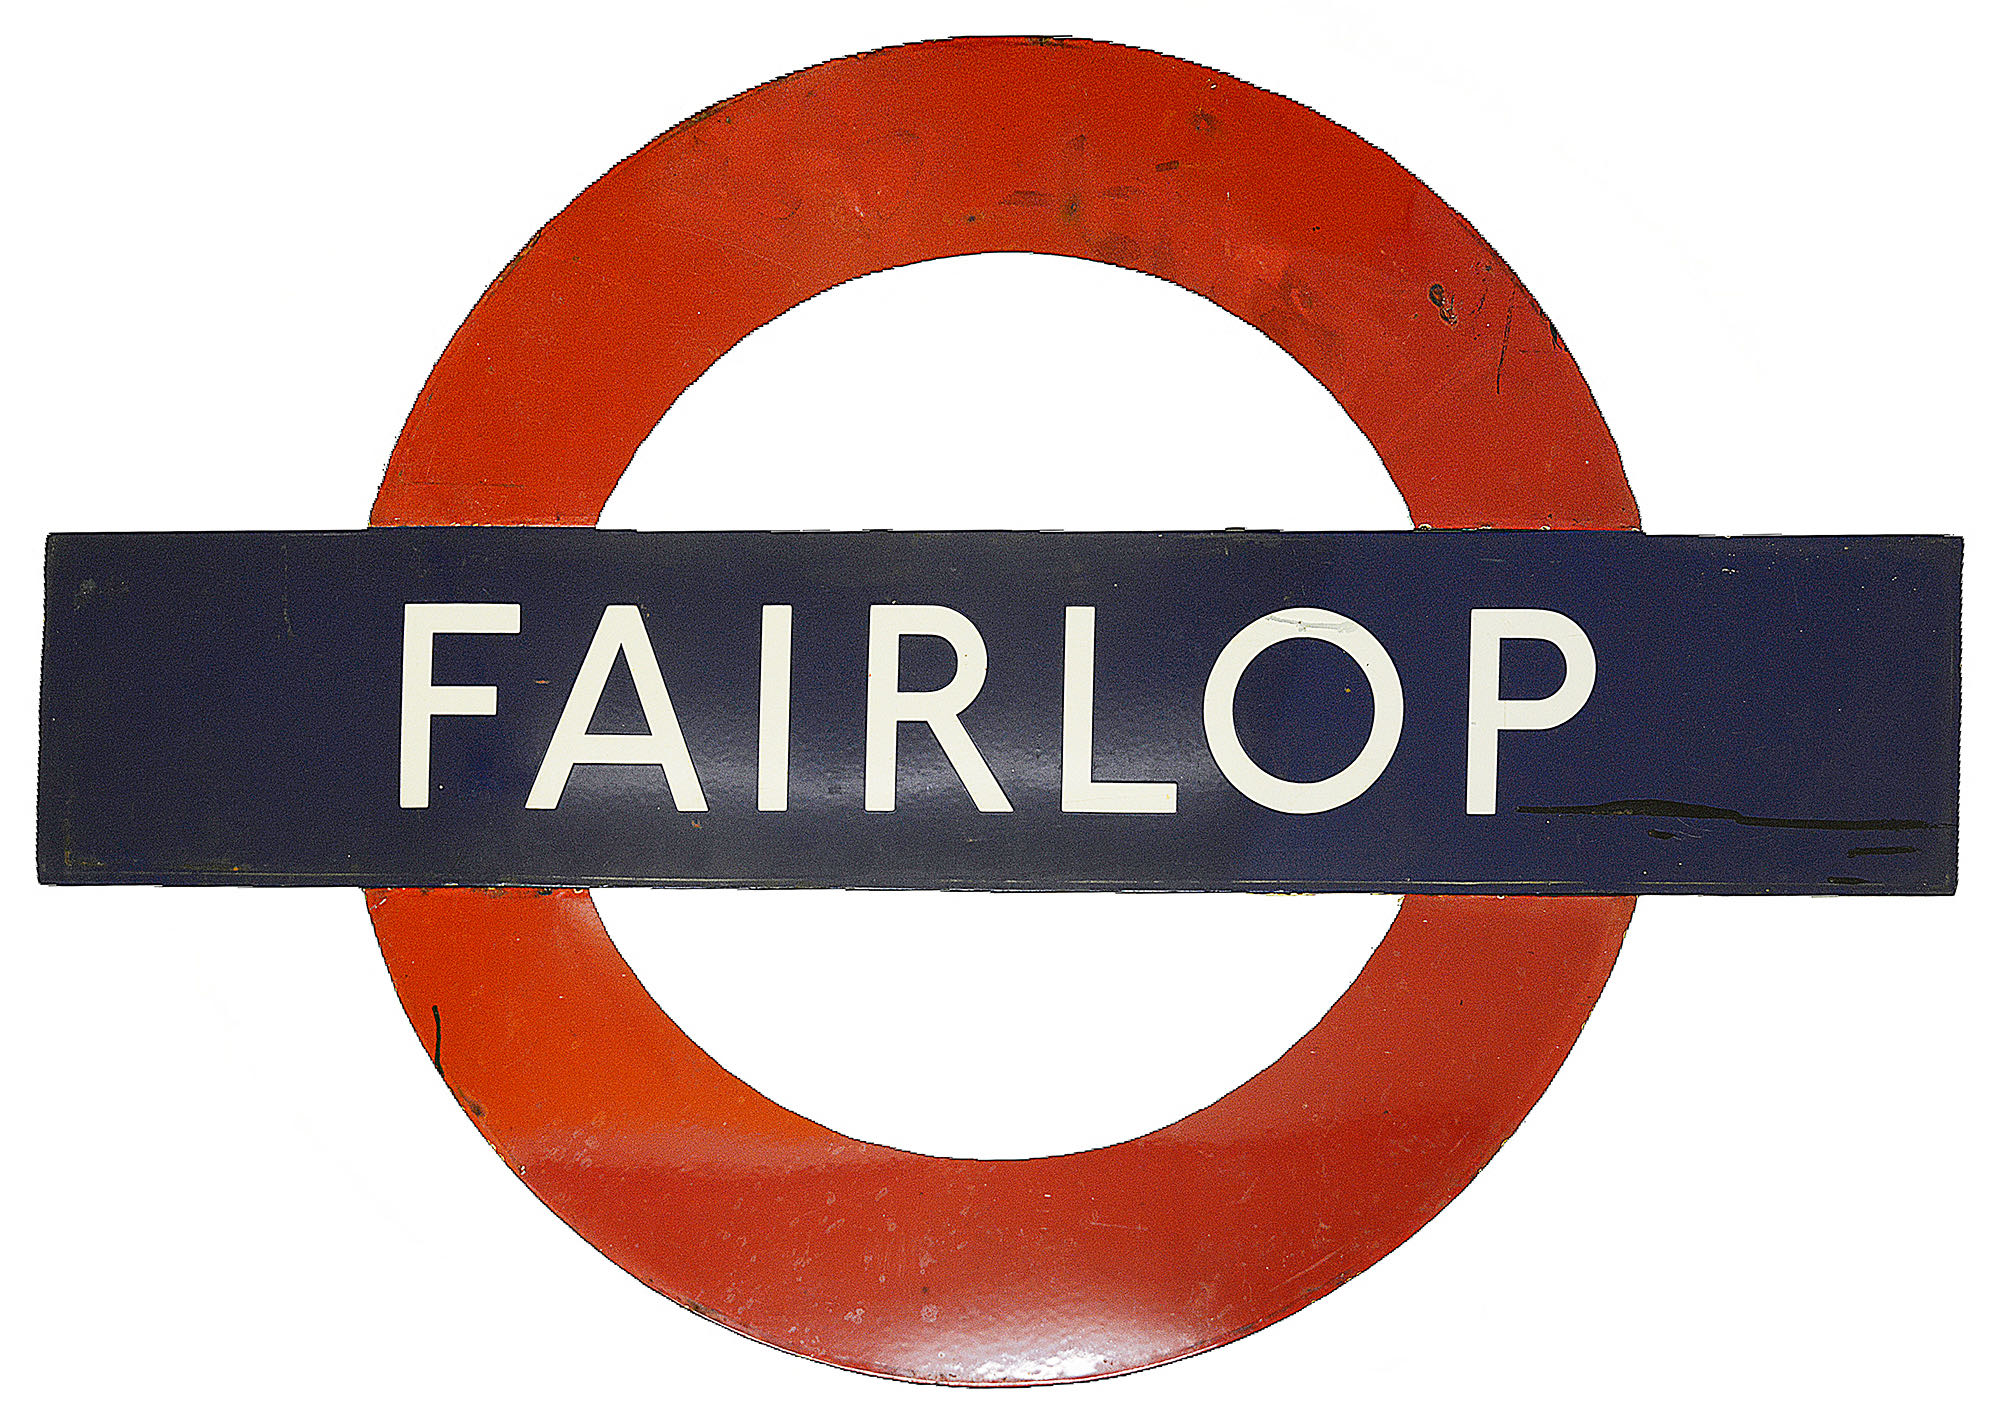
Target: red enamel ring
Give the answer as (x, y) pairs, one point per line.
(1098, 1262)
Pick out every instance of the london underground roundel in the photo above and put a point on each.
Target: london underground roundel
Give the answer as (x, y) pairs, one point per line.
(1097, 1262)
(468, 746)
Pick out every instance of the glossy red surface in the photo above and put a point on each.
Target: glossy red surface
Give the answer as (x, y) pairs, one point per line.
(977, 1271)
(1075, 149)
(1104, 1261)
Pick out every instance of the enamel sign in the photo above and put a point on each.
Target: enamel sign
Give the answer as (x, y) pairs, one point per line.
(1519, 715)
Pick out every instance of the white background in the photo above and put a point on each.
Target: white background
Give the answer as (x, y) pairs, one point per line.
(237, 236)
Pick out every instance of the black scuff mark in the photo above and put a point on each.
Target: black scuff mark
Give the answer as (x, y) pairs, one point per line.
(1881, 850)
(1694, 811)
(477, 1109)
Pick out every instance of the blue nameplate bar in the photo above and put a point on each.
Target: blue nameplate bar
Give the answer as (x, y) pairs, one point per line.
(1483, 712)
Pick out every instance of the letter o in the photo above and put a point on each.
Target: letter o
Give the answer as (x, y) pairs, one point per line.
(1218, 711)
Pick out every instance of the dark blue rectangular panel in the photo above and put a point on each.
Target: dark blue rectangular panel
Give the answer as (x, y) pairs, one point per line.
(1768, 714)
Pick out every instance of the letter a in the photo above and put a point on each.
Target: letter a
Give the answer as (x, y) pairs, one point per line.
(574, 744)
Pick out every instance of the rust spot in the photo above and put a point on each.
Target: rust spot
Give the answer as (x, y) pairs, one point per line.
(1072, 207)
(1441, 299)
(1169, 166)
(1204, 121)
(1025, 198)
